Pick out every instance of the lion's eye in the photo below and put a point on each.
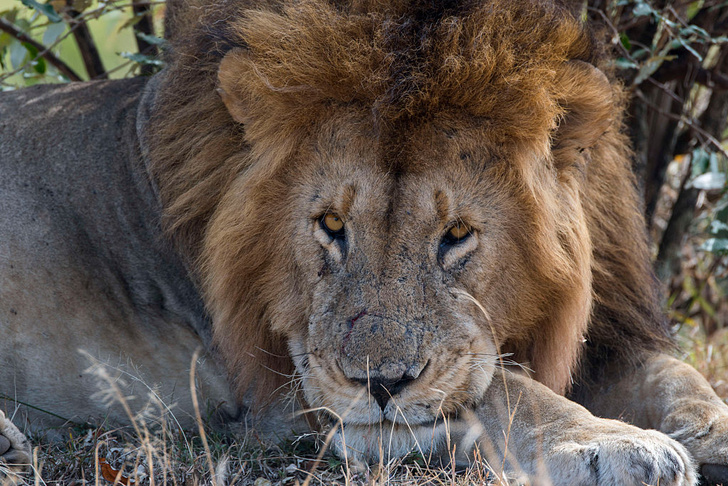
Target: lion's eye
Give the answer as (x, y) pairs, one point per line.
(333, 224)
(458, 232)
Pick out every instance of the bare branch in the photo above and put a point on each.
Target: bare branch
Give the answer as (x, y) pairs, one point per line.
(43, 52)
(144, 26)
(687, 121)
(87, 46)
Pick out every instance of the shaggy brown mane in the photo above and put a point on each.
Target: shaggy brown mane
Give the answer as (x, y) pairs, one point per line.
(502, 61)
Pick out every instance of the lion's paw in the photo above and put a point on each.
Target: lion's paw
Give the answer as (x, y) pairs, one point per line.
(643, 458)
(14, 447)
(710, 450)
(703, 430)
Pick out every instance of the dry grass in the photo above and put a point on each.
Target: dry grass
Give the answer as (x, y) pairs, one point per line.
(708, 354)
(164, 458)
(153, 451)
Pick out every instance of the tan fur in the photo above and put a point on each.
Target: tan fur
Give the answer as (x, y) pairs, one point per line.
(403, 120)
(515, 66)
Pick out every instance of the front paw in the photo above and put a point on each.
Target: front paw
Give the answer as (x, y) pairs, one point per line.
(704, 432)
(630, 457)
(14, 447)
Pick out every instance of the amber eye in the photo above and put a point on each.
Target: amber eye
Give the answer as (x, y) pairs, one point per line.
(458, 232)
(333, 224)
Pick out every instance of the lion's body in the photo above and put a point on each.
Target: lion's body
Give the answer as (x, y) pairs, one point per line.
(84, 265)
(299, 172)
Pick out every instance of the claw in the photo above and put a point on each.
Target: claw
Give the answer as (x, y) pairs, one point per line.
(4, 445)
(14, 447)
(713, 474)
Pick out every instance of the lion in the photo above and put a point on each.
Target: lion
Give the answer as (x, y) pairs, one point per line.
(417, 219)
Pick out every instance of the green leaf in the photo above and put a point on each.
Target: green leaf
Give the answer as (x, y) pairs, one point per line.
(18, 53)
(714, 162)
(38, 63)
(709, 181)
(625, 41)
(53, 32)
(141, 58)
(701, 160)
(718, 226)
(649, 68)
(10, 15)
(624, 63)
(131, 22)
(31, 49)
(693, 9)
(43, 8)
(690, 49)
(694, 29)
(151, 39)
(715, 245)
(641, 9)
(5, 40)
(640, 53)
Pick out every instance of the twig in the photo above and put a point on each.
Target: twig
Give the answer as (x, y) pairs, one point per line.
(198, 416)
(666, 90)
(60, 39)
(614, 30)
(43, 52)
(682, 118)
(144, 26)
(87, 46)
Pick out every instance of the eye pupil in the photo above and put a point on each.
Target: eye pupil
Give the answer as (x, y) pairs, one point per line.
(459, 231)
(332, 223)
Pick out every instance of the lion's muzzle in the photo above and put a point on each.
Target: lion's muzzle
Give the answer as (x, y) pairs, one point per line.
(385, 370)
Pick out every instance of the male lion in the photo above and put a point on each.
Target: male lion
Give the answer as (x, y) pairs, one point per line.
(404, 198)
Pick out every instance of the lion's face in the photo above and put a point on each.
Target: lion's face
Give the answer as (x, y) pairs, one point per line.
(389, 241)
(385, 255)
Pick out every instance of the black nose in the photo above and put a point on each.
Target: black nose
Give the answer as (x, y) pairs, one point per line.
(382, 390)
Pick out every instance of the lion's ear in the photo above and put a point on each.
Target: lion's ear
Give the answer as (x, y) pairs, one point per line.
(228, 77)
(588, 101)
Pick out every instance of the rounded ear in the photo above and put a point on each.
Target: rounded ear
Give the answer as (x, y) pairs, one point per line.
(228, 78)
(586, 96)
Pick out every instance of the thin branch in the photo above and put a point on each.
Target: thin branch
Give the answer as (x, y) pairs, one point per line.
(126, 63)
(614, 30)
(681, 118)
(87, 46)
(144, 26)
(43, 52)
(666, 89)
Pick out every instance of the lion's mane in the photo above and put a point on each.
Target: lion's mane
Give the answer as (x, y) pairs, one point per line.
(505, 62)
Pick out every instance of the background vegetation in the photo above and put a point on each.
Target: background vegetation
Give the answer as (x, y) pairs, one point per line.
(671, 55)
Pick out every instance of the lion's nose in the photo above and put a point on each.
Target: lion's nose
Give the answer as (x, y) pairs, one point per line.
(382, 389)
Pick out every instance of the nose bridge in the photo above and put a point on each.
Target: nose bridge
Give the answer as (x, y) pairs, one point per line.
(396, 279)
(383, 335)
(401, 284)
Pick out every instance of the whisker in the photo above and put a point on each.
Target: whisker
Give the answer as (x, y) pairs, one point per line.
(271, 354)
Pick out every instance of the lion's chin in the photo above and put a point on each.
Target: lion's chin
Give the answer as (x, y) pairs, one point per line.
(367, 444)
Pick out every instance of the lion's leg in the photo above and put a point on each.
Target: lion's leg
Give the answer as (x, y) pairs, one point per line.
(556, 441)
(14, 447)
(672, 397)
